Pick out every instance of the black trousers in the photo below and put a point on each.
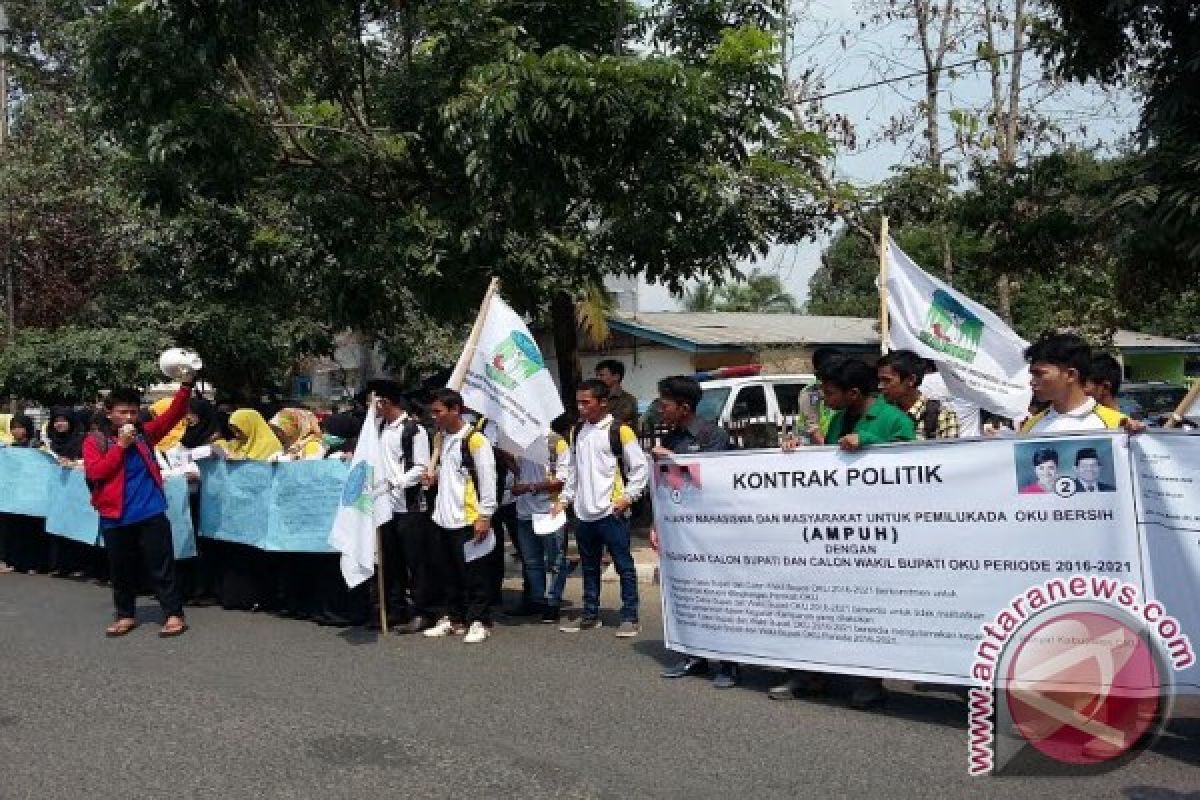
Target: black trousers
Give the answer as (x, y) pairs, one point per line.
(469, 584)
(148, 542)
(504, 524)
(409, 566)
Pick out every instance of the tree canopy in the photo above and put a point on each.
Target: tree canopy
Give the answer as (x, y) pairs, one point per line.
(282, 171)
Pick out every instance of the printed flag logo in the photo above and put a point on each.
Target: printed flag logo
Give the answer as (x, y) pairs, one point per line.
(514, 360)
(356, 492)
(951, 328)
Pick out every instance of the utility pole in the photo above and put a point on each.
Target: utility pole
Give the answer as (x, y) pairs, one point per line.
(10, 294)
(10, 302)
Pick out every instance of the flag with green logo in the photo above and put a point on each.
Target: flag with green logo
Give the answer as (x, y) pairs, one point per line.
(981, 359)
(506, 380)
(365, 505)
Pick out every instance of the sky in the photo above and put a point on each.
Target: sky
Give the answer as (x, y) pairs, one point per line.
(829, 36)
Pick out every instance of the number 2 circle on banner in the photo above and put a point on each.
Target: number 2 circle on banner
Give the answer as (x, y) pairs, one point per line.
(1064, 486)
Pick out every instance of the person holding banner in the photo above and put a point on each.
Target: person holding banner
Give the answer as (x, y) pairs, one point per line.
(608, 474)
(127, 491)
(1104, 381)
(466, 500)
(28, 547)
(678, 397)
(861, 418)
(1059, 366)
(407, 543)
(253, 438)
(900, 375)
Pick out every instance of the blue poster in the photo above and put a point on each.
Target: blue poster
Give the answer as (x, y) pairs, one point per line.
(71, 514)
(27, 475)
(235, 500)
(304, 501)
(179, 512)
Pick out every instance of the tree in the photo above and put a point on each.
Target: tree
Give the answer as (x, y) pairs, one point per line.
(703, 297)
(1151, 45)
(418, 149)
(1040, 216)
(70, 364)
(760, 291)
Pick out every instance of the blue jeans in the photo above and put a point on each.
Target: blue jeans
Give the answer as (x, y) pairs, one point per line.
(542, 555)
(592, 537)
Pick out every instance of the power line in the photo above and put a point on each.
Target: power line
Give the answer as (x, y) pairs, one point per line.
(919, 74)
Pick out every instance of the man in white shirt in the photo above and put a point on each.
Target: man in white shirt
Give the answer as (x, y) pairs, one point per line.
(608, 474)
(542, 552)
(466, 501)
(1059, 366)
(406, 538)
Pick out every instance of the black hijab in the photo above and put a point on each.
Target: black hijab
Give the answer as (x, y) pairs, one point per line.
(347, 427)
(68, 444)
(207, 427)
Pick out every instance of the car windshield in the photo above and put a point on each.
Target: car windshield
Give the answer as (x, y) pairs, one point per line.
(1154, 400)
(712, 403)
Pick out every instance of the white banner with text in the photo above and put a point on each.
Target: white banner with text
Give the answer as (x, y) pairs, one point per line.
(893, 561)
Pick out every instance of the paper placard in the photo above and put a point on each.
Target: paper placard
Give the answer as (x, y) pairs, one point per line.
(473, 549)
(546, 524)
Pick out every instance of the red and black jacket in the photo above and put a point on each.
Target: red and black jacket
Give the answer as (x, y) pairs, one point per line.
(104, 460)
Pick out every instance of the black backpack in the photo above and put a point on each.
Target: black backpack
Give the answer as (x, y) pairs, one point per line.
(412, 497)
(929, 419)
(615, 447)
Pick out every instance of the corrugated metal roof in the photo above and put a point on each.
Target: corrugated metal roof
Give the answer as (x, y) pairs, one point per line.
(1133, 341)
(721, 330)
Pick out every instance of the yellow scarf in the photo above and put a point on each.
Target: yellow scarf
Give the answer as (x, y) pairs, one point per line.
(175, 435)
(5, 433)
(301, 431)
(261, 442)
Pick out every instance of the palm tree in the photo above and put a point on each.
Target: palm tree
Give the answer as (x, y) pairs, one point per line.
(760, 291)
(591, 314)
(702, 298)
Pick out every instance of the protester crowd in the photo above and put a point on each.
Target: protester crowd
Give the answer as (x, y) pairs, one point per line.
(453, 487)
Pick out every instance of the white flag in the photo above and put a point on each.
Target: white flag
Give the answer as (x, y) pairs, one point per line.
(980, 358)
(506, 380)
(365, 505)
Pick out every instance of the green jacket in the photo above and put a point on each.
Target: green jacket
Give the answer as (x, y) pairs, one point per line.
(882, 423)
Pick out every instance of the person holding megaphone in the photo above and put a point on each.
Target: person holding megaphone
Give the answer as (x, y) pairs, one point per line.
(127, 492)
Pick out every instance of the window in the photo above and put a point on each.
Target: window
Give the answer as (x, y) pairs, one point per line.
(751, 402)
(788, 396)
(712, 403)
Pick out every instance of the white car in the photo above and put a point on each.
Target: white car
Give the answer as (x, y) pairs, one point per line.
(750, 405)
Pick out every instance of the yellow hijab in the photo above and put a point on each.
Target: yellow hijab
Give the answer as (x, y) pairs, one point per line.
(301, 431)
(5, 433)
(261, 442)
(175, 435)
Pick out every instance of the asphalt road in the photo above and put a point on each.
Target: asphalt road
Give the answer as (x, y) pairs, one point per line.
(247, 705)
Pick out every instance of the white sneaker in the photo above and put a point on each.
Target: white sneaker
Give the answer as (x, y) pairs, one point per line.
(444, 627)
(478, 634)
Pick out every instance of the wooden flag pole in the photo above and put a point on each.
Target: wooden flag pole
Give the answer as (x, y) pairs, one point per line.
(459, 376)
(884, 321)
(383, 619)
(1190, 399)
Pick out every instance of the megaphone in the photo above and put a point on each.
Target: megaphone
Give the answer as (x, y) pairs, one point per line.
(177, 360)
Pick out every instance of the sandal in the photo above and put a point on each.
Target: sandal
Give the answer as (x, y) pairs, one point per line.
(173, 628)
(120, 628)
